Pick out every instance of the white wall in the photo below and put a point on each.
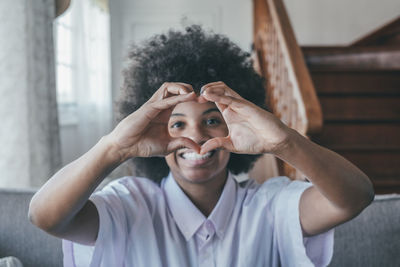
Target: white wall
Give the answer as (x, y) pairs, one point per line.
(339, 22)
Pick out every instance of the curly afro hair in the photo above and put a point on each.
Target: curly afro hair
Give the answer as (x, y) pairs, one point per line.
(194, 57)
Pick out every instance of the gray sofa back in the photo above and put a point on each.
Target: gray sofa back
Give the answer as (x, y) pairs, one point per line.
(19, 238)
(370, 240)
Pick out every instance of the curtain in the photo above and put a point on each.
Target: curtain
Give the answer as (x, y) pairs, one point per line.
(85, 106)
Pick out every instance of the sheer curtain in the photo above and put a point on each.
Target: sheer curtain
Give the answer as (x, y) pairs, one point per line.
(83, 76)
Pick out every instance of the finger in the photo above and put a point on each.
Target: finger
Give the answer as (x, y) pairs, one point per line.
(156, 107)
(182, 142)
(169, 89)
(219, 88)
(240, 106)
(176, 89)
(217, 142)
(223, 99)
(211, 84)
(188, 87)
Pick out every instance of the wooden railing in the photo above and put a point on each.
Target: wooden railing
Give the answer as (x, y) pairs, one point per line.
(290, 94)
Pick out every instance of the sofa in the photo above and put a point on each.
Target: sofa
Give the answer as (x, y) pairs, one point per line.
(371, 239)
(19, 238)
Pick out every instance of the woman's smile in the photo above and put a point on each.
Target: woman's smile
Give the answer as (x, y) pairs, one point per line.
(197, 160)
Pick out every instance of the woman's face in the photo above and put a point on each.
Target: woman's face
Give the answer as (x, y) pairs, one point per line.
(199, 122)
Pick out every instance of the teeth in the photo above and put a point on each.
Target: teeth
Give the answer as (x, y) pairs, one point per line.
(195, 156)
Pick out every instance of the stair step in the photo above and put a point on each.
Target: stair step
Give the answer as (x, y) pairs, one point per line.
(356, 135)
(359, 92)
(357, 83)
(369, 58)
(360, 108)
(378, 165)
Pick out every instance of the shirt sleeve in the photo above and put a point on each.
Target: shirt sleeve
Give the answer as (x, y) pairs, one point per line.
(113, 206)
(110, 210)
(124, 206)
(294, 249)
(76, 255)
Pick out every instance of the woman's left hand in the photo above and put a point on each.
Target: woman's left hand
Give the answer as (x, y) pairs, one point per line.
(252, 130)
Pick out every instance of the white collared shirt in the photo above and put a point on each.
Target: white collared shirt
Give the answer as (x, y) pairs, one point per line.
(143, 224)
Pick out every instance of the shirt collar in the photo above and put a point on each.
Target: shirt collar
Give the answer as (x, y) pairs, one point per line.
(189, 218)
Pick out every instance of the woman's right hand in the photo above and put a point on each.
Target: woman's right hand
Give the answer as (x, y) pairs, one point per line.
(144, 133)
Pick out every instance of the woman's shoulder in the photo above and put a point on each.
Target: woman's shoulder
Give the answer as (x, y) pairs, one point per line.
(130, 187)
(273, 184)
(264, 192)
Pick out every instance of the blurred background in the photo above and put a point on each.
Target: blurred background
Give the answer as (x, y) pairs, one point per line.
(61, 61)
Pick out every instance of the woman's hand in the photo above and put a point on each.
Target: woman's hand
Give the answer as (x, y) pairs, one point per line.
(144, 133)
(252, 130)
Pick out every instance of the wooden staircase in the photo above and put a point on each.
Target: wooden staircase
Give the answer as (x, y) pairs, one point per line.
(357, 89)
(360, 98)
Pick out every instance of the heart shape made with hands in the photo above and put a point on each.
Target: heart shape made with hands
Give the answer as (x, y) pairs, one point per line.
(251, 130)
(216, 142)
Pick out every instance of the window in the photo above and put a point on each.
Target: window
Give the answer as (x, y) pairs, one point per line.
(82, 47)
(65, 34)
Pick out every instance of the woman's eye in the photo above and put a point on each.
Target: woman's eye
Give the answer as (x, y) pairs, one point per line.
(212, 121)
(177, 124)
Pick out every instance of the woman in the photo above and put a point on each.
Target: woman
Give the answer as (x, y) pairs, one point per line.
(199, 215)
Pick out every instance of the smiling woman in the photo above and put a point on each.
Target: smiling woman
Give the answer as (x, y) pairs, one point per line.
(202, 132)
(192, 57)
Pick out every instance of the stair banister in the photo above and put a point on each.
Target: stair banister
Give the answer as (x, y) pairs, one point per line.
(291, 95)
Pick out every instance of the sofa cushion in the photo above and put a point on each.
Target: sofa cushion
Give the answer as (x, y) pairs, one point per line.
(372, 238)
(19, 238)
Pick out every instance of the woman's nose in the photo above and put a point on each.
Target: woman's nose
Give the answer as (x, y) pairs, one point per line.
(197, 134)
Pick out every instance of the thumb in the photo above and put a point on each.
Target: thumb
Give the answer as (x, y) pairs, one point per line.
(217, 142)
(182, 142)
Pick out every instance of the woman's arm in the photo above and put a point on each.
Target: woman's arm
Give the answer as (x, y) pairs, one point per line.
(340, 190)
(61, 206)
